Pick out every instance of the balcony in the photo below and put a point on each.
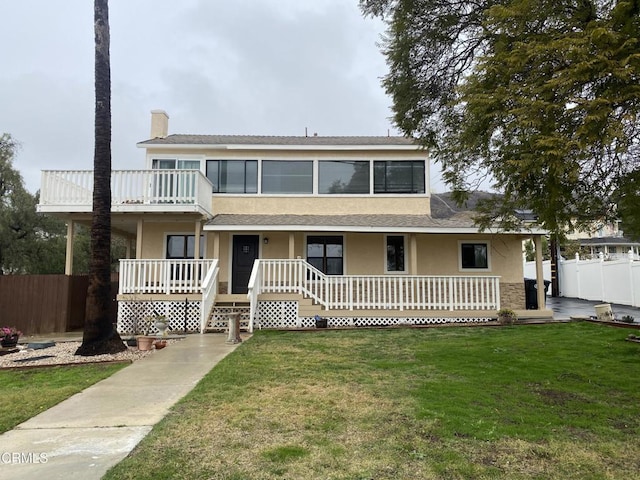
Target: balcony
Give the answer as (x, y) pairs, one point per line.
(178, 191)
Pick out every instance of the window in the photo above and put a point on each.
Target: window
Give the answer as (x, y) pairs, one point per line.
(474, 255)
(395, 253)
(171, 164)
(287, 176)
(183, 246)
(167, 184)
(398, 177)
(343, 177)
(233, 176)
(326, 253)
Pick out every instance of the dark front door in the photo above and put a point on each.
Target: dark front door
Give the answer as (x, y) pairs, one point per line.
(245, 251)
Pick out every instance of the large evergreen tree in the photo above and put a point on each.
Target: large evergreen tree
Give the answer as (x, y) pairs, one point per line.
(17, 210)
(540, 96)
(99, 334)
(29, 243)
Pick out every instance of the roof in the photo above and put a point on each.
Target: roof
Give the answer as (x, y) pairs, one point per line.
(444, 206)
(262, 140)
(607, 241)
(460, 223)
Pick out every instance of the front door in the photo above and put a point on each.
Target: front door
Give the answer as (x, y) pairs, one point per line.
(245, 251)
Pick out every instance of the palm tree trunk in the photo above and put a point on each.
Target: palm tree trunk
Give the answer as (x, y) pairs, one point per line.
(100, 335)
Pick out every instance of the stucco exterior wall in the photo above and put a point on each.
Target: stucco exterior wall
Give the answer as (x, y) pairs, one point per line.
(320, 153)
(154, 236)
(320, 205)
(439, 255)
(364, 253)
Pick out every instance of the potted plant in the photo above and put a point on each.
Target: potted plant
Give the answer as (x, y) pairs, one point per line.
(506, 316)
(144, 341)
(9, 336)
(160, 322)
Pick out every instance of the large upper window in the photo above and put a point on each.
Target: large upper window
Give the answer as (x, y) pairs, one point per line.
(326, 253)
(474, 255)
(398, 177)
(287, 176)
(233, 176)
(343, 177)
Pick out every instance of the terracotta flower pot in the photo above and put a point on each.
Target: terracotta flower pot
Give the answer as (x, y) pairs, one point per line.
(145, 343)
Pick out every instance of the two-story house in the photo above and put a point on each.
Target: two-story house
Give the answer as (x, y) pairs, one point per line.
(287, 228)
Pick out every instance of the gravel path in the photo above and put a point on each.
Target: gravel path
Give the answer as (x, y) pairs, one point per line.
(62, 353)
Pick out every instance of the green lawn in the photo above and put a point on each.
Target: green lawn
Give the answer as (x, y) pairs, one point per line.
(26, 393)
(522, 402)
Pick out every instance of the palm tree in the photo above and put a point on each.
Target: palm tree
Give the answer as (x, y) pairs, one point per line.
(99, 334)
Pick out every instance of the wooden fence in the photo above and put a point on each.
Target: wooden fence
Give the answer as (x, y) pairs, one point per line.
(37, 304)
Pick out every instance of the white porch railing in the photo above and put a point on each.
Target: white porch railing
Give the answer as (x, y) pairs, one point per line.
(394, 292)
(128, 187)
(209, 293)
(163, 276)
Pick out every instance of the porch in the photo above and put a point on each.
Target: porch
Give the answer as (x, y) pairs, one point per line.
(290, 293)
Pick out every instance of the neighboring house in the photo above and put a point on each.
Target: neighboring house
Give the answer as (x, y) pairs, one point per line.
(608, 240)
(289, 228)
(611, 248)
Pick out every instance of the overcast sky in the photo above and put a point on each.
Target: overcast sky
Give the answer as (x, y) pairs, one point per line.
(253, 67)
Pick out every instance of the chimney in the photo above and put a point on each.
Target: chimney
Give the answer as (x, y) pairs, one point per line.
(159, 124)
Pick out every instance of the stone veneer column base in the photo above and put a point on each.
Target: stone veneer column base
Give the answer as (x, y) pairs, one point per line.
(512, 296)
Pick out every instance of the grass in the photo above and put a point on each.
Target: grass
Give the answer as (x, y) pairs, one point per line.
(26, 393)
(524, 402)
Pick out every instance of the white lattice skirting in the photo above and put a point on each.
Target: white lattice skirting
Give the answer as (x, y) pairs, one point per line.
(277, 314)
(270, 314)
(131, 315)
(309, 322)
(284, 314)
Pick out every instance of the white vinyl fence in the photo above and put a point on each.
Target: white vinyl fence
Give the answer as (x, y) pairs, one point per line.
(530, 270)
(600, 280)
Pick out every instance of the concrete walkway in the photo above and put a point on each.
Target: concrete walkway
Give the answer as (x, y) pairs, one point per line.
(85, 435)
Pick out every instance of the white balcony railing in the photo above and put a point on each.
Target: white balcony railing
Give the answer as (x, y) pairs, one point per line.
(163, 276)
(128, 187)
(394, 292)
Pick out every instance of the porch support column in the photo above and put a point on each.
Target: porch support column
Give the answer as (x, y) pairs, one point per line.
(537, 241)
(292, 246)
(68, 263)
(139, 239)
(196, 246)
(413, 254)
(216, 245)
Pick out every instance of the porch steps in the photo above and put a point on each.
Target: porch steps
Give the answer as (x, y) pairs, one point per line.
(219, 318)
(307, 308)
